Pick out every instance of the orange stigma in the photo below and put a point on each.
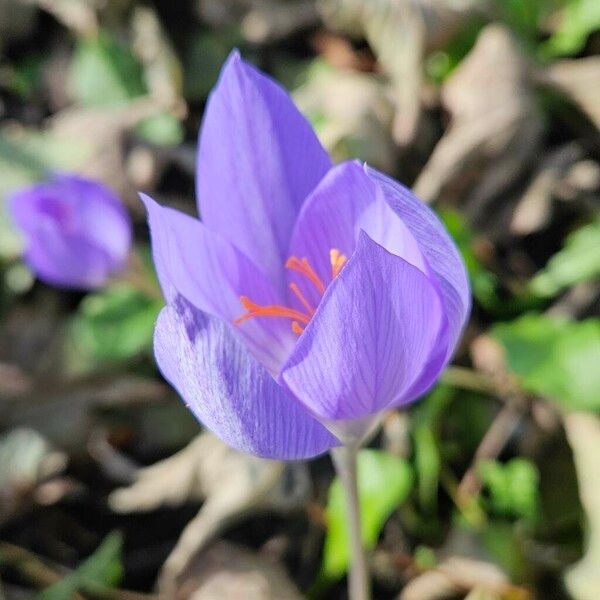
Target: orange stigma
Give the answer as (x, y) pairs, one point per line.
(270, 310)
(303, 267)
(309, 309)
(296, 328)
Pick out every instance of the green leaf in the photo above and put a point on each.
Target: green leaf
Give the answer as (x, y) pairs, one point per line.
(555, 358)
(501, 539)
(103, 569)
(384, 482)
(25, 76)
(104, 72)
(104, 566)
(578, 19)
(26, 155)
(513, 487)
(523, 17)
(424, 557)
(427, 465)
(114, 324)
(162, 129)
(441, 63)
(577, 261)
(205, 55)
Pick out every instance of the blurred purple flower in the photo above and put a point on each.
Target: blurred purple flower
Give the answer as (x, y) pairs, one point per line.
(77, 232)
(311, 297)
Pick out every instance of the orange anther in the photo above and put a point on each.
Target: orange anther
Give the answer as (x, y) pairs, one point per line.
(303, 267)
(338, 260)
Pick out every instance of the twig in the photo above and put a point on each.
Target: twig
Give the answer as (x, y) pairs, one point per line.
(29, 566)
(491, 445)
(37, 573)
(468, 379)
(488, 357)
(470, 510)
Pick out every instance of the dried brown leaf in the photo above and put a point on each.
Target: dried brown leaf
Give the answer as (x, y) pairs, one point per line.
(495, 129)
(232, 484)
(579, 79)
(459, 575)
(400, 32)
(583, 433)
(353, 113)
(229, 572)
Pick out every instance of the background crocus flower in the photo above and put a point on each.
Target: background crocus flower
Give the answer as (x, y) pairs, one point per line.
(311, 297)
(77, 232)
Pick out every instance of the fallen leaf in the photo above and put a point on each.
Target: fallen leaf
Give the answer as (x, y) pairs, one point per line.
(583, 433)
(230, 572)
(400, 32)
(350, 112)
(231, 484)
(580, 80)
(459, 576)
(495, 130)
(26, 460)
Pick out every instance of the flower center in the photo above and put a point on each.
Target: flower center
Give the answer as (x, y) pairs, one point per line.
(302, 266)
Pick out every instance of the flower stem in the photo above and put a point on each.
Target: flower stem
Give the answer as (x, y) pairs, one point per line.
(344, 460)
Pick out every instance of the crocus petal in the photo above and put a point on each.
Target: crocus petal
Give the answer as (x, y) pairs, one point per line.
(229, 391)
(258, 159)
(346, 202)
(439, 250)
(369, 340)
(212, 274)
(64, 260)
(100, 214)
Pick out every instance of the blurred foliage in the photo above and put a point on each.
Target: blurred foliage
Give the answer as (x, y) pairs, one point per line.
(577, 261)
(112, 325)
(578, 19)
(427, 454)
(525, 18)
(557, 359)
(441, 63)
(27, 155)
(505, 543)
(205, 54)
(24, 77)
(104, 72)
(161, 129)
(512, 486)
(102, 570)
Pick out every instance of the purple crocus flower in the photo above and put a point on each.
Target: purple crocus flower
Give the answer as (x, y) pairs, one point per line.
(77, 232)
(311, 297)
